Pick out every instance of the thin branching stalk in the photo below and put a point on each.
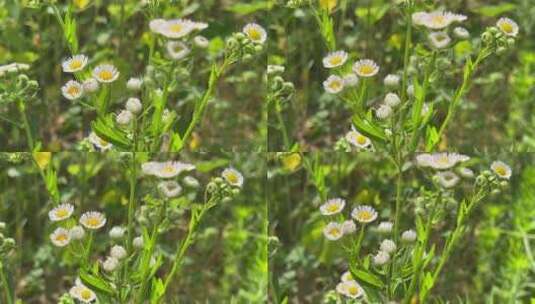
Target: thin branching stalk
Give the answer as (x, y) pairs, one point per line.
(5, 284)
(26, 125)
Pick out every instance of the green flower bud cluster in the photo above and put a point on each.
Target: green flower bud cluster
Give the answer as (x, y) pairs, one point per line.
(489, 180)
(279, 89)
(239, 47)
(342, 145)
(497, 41)
(16, 85)
(6, 243)
(220, 191)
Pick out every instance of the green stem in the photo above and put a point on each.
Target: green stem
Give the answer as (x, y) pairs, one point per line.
(26, 125)
(7, 290)
(408, 41)
(131, 203)
(284, 131)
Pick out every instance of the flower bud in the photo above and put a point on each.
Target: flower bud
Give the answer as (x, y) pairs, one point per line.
(134, 105)
(124, 118)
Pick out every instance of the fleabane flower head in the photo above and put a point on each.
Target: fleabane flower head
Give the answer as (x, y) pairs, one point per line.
(110, 264)
(385, 227)
(364, 214)
(82, 293)
(174, 28)
(77, 232)
(72, 90)
(440, 161)
(93, 220)
(350, 289)
(61, 212)
(255, 33)
(365, 68)
(381, 258)
(335, 59)
(439, 40)
(351, 80)
(466, 172)
(508, 27)
(170, 188)
(461, 33)
(134, 84)
(74, 64)
(408, 236)
(166, 169)
(333, 84)
(118, 252)
(105, 73)
(124, 117)
(177, 50)
(437, 20)
(98, 142)
(349, 227)
(388, 246)
(501, 169)
(201, 42)
(90, 85)
(384, 111)
(346, 276)
(447, 179)
(333, 231)
(391, 80)
(358, 140)
(134, 105)
(233, 177)
(60, 237)
(333, 206)
(392, 99)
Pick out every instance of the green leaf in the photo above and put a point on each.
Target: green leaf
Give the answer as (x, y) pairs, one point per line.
(157, 290)
(176, 142)
(494, 10)
(431, 136)
(249, 8)
(372, 14)
(105, 128)
(207, 166)
(367, 277)
(52, 184)
(368, 128)
(96, 283)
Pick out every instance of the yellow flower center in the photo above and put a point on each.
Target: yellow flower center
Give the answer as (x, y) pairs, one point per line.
(332, 207)
(353, 290)
(500, 170)
(73, 90)
(61, 237)
(102, 142)
(254, 34)
(443, 160)
(93, 221)
(366, 69)
(335, 85)
(105, 75)
(365, 215)
(361, 139)
(335, 232)
(168, 169)
(75, 64)
(438, 19)
(507, 27)
(61, 213)
(85, 294)
(176, 28)
(232, 178)
(336, 60)
(291, 162)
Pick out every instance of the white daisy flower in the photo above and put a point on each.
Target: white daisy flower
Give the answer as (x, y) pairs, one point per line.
(191, 182)
(440, 161)
(466, 172)
(201, 42)
(346, 276)
(440, 20)
(447, 179)
(134, 84)
(170, 188)
(508, 27)
(350, 289)
(82, 293)
(364, 214)
(357, 139)
(348, 227)
(391, 81)
(233, 177)
(72, 90)
(134, 105)
(335, 59)
(117, 232)
(439, 40)
(383, 112)
(74, 64)
(388, 246)
(418, 18)
(333, 231)
(461, 33)
(156, 25)
(98, 142)
(61, 212)
(392, 99)
(110, 264)
(334, 84)
(351, 80)
(410, 90)
(177, 50)
(199, 25)
(408, 236)
(90, 85)
(501, 169)
(175, 28)
(124, 117)
(105, 73)
(118, 252)
(255, 33)
(77, 232)
(138, 242)
(365, 68)
(93, 220)
(385, 227)
(332, 206)
(166, 169)
(381, 258)
(60, 237)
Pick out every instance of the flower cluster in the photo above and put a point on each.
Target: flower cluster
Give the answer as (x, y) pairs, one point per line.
(15, 85)
(502, 36)
(179, 29)
(66, 230)
(6, 243)
(246, 44)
